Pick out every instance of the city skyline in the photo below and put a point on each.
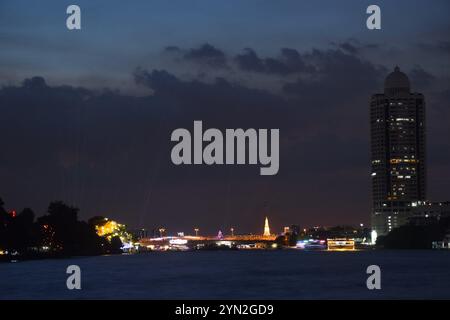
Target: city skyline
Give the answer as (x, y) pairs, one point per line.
(212, 158)
(108, 152)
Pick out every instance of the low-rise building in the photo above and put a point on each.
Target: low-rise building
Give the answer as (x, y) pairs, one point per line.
(426, 212)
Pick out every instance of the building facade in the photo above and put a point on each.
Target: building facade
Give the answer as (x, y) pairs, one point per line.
(398, 158)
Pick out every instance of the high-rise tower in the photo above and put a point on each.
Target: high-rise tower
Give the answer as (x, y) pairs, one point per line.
(397, 122)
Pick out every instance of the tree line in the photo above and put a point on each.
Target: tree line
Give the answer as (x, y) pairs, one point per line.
(57, 233)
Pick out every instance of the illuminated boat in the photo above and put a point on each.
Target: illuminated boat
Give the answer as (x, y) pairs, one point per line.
(311, 244)
(341, 244)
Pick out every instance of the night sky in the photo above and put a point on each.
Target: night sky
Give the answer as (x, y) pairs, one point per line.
(86, 116)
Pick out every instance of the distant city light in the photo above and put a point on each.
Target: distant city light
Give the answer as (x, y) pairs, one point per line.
(224, 243)
(374, 236)
(178, 241)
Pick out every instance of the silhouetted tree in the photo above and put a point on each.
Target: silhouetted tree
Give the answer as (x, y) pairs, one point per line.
(280, 241)
(116, 244)
(89, 242)
(412, 236)
(97, 221)
(5, 220)
(61, 231)
(22, 233)
(289, 239)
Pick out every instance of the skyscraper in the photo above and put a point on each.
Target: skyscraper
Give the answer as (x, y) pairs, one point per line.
(397, 122)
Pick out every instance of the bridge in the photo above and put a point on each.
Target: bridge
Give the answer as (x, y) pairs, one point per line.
(182, 239)
(193, 239)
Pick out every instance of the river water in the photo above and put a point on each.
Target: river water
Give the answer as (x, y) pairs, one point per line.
(282, 274)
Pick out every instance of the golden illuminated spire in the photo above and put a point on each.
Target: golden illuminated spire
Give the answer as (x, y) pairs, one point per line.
(266, 228)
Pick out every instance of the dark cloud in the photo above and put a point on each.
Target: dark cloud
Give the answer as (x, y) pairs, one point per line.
(35, 83)
(205, 54)
(354, 46)
(109, 153)
(337, 73)
(444, 46)
(441, 47)
(289, 61)
(172, 49)
(350, 48)
(249, 61)
(159, 80)
(421, 78)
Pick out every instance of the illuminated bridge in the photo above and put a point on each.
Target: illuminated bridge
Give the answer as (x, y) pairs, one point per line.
(235, 239)
(184, 239)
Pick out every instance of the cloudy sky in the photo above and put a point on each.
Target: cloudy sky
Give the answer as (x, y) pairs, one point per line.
(86, 115)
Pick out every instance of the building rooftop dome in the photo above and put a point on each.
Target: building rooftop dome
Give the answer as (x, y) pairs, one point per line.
(396, 81)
